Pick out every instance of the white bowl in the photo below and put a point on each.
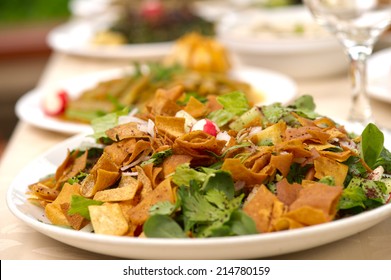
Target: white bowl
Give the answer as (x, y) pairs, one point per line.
(267, 38)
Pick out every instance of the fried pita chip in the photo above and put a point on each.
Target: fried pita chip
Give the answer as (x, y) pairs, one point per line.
(163, 192)
(272, 134)
(53, 210)
(125, 131)
(282, 162)
(340, 156)
(296, 147)
(41, 191)
(103, 175)
(144, 182)
(201, 146)
(328, 167)
(140, 149)
(108, 219)
(286, 192)
(171, 163)
(318, 196)
(239, 172)
(308, 216)
(195, 108)
(173, 127)
(119, 151)
(76, 221)
(164, 103)
(260, 208)
(285, 223)
(117, 194)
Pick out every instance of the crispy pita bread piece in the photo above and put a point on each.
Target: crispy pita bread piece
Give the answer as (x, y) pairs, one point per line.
(196, 108)
(295, 147)
(240, 172)
(54, 212)
(164, 102)
(74, 163)
(140, 213)
(271, 134)
(108, 219)
(264, 208)
(325, 166)
(287, 192)
(317, 203)
(125, 131)
(285, 223)
(120, 151)
(140, 149)
(307, 133)
(43, 192)
(282, 163)
(103, 175)
(171, 163)
(201, 146)
(117, 194)
(76, 221)
(172, 127)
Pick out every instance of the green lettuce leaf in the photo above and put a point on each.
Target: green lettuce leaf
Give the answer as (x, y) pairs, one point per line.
(101, 124)
(79, 205)
(234, 102)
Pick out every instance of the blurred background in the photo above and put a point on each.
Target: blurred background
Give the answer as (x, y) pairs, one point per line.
(24, 51)
(24, 26)
(257, 33)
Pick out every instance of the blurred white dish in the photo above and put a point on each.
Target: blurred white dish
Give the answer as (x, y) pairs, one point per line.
(283, 39)
(379, 75)
(272, 86)
(75, 37)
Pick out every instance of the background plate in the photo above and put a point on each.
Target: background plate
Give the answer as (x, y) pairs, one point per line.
(379, 75)
(75, 38)
(273, 86)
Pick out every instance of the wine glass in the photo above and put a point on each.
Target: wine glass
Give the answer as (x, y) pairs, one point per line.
(357, 24)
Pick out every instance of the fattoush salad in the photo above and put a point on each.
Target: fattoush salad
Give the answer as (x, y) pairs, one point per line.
(190, 166)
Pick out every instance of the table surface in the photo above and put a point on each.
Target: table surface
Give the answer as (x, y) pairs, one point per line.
(19, 241)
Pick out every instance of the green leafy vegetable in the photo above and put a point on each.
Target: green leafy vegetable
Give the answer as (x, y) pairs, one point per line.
(304, 106)
(208, 207)
(79, 205)
(221, 117)
(234, 102)
(102, 124)
(363, 193)
(372, 140)
(162, 208)
(158, 157)
(78, 178)
(187, 95)
(161, 226)
(184, 174)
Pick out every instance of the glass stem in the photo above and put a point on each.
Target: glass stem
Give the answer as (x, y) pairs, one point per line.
(360, 110)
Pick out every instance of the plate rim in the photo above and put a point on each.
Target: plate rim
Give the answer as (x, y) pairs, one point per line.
(57, 40)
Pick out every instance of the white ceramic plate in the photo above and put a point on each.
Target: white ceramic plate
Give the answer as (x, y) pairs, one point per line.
(251, 246)
(75, 38)
(269, 38)
(273, 86)
(379, 75)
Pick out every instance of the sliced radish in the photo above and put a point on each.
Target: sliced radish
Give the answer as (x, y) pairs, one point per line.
(55, 104)
(206, 126)
(152, 10)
